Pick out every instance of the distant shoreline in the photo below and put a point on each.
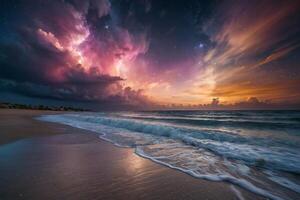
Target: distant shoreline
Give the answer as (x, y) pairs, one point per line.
(39, 107)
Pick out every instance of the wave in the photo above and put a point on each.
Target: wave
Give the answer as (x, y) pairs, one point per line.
(215, 177)
(261, 152)
(209, 154)
(224, 117)
(229, 121)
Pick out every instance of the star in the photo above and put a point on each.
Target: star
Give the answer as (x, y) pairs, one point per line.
(199, 46)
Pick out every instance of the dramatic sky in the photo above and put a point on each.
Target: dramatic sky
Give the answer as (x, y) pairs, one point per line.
(141, 53)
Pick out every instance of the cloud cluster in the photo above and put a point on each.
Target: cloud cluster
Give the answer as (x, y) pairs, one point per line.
(69, 50)
(251, 43)
(124, 53)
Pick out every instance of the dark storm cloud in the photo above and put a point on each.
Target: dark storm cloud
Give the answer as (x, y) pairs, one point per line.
(37, 54)
(125, 52)
(37, 57)
(32, 65)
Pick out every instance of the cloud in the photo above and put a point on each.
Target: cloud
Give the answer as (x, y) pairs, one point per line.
(57, 54)
(128, 52)
(251, 41)
(103, 7)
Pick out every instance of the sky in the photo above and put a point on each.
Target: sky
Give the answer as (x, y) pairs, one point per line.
(124, 54)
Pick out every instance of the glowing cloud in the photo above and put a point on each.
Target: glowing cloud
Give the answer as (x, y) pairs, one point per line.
(137, 53)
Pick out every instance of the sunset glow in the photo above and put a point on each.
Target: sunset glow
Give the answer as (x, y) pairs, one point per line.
(106, 50)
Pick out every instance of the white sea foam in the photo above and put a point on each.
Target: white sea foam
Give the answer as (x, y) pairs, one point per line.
(251, 150)
(283, 181)
(212, 155)
(214, 177)
(237, 192)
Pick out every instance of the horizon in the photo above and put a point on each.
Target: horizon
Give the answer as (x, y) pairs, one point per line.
(151, 55)
(57, 107)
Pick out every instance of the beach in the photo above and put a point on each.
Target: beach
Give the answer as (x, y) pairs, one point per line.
(40, 160)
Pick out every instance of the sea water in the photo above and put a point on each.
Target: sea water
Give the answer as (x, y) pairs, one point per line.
(258, 151)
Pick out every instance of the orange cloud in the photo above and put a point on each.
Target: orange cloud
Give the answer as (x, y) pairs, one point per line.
(232, 70)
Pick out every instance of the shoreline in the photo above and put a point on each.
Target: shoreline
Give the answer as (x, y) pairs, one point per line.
(11, 120)
(132, 174)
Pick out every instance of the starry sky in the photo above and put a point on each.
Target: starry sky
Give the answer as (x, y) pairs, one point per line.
(150, 53)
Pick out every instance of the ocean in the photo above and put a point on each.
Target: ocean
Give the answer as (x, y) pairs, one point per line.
(258, 151)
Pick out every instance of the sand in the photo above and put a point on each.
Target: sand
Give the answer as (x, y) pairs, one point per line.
(17, 124)
(40, 160)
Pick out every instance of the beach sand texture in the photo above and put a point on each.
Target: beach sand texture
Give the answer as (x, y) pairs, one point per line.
(69, 163)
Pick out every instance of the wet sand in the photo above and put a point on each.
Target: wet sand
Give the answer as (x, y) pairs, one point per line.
(69, 163)
(17, 124)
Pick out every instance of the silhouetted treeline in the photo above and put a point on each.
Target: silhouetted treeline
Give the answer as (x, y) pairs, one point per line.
(39, 107)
